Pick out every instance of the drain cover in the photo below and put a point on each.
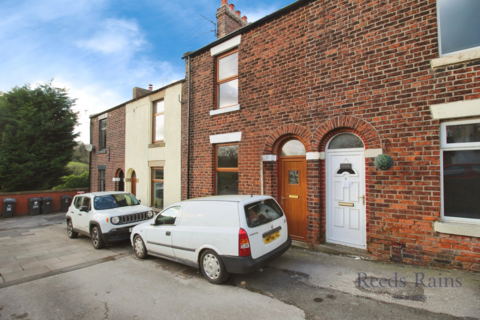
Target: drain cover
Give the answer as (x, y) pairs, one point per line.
(188, 273)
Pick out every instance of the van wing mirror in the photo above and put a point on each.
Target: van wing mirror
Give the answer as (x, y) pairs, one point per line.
(84, 208)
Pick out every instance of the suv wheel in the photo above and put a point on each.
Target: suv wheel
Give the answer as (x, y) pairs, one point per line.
(97, 239)
(71, 234)
(213, 268)
(139, 246)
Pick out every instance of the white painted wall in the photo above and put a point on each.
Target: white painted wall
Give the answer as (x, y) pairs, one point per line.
(139, 136)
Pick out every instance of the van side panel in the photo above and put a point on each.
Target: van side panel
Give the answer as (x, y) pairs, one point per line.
(206, 224)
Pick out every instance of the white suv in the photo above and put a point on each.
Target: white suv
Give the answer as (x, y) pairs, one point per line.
(219, 235)
(106, 217)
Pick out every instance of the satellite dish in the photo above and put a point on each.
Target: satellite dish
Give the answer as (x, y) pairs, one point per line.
(88, 147)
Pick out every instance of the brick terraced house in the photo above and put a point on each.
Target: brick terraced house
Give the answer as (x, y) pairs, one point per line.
(107, 159)
(299, 104)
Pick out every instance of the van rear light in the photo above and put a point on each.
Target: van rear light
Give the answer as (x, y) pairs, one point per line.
(243, 244)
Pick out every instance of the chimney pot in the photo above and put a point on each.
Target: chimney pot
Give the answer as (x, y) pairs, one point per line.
(150, 87)
(238, 13)
(244, 18)
(232, 6)
(224, 2)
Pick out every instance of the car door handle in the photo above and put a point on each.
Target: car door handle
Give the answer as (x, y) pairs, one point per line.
(72, 212)
(79, 214)
(168, 233)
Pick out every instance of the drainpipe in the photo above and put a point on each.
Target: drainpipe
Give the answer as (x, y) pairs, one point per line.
(188, 131)
(90, 161)
(261, 175)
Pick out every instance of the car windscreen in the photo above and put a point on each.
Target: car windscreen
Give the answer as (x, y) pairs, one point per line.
(262, 212)
(114, 201)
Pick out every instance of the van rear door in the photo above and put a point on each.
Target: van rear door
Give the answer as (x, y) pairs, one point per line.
(266, 226)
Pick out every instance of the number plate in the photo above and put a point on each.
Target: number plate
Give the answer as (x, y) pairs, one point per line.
(271, 237)
(130, 229)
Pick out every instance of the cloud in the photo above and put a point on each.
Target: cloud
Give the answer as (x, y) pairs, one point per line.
(254, 14)
(115, 35)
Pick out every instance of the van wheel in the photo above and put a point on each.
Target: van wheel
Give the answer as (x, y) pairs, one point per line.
(97, 239)
(213, 268)
(139, 247)
(71, 234)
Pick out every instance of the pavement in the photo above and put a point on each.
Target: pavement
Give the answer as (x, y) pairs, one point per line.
(38, 245)
(64, 278)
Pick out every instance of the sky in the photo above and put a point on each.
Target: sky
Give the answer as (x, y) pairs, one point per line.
(101, 49)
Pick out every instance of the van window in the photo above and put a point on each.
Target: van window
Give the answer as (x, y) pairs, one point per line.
(168, 216)
(262, 212)
(210, 214)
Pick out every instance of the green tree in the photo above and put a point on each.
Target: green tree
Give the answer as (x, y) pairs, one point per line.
(80, 154)
(36, 137)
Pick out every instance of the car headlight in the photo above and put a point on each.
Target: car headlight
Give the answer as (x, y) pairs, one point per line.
(115, 220)
(150, 214)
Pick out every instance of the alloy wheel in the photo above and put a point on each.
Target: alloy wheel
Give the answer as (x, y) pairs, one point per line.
(69, 228)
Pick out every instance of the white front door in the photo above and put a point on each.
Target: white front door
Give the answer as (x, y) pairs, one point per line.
(346, 214)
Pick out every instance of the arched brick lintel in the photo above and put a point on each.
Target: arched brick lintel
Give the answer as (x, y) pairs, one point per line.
(287, 132)
(364, 129)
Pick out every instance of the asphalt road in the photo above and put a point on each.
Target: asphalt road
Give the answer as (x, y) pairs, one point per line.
(123, 287)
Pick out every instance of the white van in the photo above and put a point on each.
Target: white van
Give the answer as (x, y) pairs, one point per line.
(220, 234)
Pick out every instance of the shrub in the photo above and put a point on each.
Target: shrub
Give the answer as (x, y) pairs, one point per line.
(74, 181)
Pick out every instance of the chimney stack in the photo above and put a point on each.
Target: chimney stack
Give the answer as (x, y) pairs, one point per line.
(229, 20)
(150, 87)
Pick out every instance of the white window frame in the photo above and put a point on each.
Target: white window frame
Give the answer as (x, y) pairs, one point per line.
(439, 29)
(444, 146)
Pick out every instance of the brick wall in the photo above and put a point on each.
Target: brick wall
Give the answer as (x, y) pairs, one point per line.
(329, 66)
(114, 156)
(21, 206)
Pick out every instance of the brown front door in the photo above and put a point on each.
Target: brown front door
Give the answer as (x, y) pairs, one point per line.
(293, 195)
(134, 184)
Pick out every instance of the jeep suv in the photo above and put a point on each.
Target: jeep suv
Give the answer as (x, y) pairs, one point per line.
(105, 217)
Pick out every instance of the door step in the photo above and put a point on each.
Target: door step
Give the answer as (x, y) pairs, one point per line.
(335, 249)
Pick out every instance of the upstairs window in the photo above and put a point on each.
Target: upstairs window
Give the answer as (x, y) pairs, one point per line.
(459, 25)
(158, 121)
(103, 134)
(227, 80)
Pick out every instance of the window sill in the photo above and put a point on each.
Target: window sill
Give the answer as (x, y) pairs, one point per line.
(156, 145)
(458, 58)
(225, 110)
(102, 151)
(462, 229)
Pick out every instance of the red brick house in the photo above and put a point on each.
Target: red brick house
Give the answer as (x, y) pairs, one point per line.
(299, 104)
(107, 159)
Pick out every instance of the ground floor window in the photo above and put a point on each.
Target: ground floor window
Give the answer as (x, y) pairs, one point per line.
(157, 187)
(101, 180)
(461, 169)
(226, 169)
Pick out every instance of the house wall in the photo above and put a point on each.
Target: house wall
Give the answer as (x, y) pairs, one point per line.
(332, 66)
(114, 156)
(141, 151)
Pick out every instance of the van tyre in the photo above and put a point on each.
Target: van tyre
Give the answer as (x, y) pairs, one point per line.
(213, 268)
(97, 240)
(139, 247)
(71, 234)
